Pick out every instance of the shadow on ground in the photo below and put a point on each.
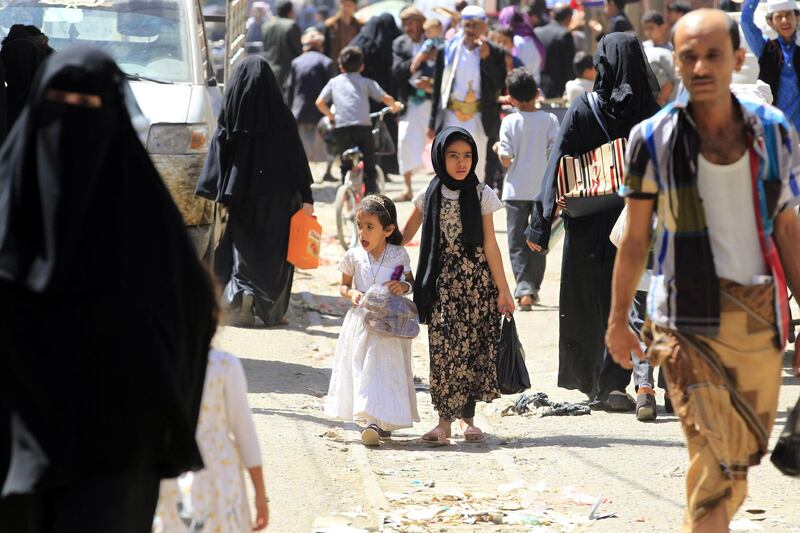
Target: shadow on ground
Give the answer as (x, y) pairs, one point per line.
(585, 441)
(278, 377)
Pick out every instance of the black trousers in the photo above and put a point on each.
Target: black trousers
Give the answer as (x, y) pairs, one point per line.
(118, 503)
(360, 137)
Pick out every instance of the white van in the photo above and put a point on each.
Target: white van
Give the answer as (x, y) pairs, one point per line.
(162, 48)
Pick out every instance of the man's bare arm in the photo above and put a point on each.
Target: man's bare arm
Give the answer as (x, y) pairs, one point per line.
(787, 240)
(628, 269)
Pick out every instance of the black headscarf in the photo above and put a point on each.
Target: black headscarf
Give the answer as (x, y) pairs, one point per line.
(256, 146)
(624, 82)
(375, 40)
(106, 313)
(428, 267)
(21, 59)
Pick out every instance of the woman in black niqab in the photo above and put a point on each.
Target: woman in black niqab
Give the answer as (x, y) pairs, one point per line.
(22, 54)
(257, 168)
(3, 105)
(625, 88)
(106, 313)
(375, 41)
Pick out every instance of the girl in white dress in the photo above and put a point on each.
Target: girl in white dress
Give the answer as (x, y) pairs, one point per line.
(372, 381)
(215, 499)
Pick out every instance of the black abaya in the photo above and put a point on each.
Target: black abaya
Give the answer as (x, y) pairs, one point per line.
(3, 105)
(21, 58)
(625, 93)
(105, 312)
(258, 168)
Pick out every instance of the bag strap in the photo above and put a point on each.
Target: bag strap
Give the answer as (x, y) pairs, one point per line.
(596, 111)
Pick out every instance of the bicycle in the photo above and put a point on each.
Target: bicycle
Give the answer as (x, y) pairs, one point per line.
(350, 193)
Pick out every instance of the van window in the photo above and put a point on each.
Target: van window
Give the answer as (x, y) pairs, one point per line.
(147, 38)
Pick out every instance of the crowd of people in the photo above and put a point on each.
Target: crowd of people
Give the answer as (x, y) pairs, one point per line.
(691, 275)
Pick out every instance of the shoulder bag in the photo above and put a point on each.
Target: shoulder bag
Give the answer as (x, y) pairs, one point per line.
(589, 183)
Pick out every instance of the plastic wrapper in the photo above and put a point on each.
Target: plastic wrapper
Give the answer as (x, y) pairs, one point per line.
(389, 314)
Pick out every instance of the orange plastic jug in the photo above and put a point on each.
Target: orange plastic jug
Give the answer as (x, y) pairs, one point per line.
(305, 239)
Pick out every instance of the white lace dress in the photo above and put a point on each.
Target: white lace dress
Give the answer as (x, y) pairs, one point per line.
(372, 381)
(214, 499)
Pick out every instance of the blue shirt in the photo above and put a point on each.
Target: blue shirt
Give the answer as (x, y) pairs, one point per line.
(788, 98)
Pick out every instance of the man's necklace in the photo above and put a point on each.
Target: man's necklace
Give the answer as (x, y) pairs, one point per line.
(373, 272)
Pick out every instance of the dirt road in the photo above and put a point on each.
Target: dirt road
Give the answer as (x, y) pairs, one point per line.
(602, 472)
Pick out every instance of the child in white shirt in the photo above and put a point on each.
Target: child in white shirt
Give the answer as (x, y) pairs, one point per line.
(526, 141)
(584, 83)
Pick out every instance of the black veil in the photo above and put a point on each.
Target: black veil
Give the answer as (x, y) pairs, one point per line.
(105, 312)
(625, 83)
(256, 147)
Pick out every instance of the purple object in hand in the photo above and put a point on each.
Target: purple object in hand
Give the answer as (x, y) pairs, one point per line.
(398, 273)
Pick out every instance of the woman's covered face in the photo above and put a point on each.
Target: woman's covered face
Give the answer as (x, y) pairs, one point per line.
(458, 159)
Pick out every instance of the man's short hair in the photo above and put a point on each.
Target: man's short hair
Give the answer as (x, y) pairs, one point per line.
(412, 12)
(521, 85)
(733, 32)
(653, 17)
(284, 9)
(312, 36)
(562, 14)
(620, 4)
(679, 7)
(582, 62)
(351, 58)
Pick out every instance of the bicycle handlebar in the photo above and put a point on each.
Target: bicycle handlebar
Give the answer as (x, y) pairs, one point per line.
(383, 112)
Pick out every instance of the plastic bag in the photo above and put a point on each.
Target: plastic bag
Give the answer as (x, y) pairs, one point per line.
(389, 314)
(512, 374)
(786, 455)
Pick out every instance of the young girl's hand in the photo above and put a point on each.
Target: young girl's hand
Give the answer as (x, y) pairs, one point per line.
(397, 287)
(355, 297)
(505, 304)
(262, 513)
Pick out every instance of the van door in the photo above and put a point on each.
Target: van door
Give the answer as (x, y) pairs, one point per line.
(235, 34)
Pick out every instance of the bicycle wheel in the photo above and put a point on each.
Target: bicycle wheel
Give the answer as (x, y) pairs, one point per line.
(345, 205)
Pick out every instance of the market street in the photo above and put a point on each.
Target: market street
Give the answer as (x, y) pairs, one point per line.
(547, 472)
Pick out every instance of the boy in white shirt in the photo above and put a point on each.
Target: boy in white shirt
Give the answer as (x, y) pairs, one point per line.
(583, 65)
(526, 141)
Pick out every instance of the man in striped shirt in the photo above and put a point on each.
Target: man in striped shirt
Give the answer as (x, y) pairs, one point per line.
(721, 174)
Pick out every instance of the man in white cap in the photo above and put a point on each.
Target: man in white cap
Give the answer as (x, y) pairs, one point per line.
(470, 75)
(778, 59)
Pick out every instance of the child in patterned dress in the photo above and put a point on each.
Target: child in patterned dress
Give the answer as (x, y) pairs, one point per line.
(461, 289)
(215, 499)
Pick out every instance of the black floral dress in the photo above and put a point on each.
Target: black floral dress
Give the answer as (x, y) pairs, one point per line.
(464, 328)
